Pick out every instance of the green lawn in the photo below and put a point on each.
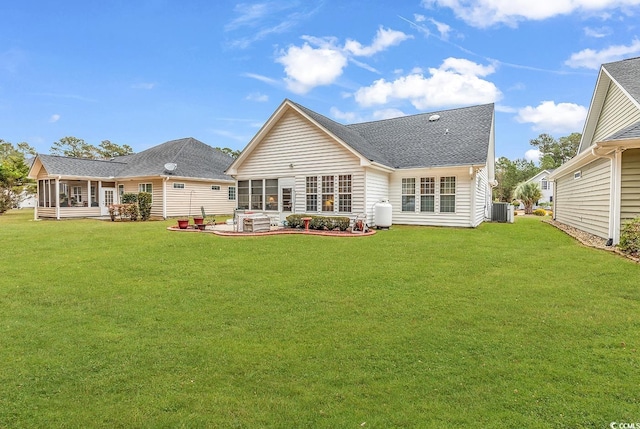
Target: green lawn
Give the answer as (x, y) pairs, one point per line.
(129, 325)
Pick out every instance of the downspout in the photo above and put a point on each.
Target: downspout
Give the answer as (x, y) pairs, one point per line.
(472, 217)
(164, 197)
(58, 197)
(614, 193)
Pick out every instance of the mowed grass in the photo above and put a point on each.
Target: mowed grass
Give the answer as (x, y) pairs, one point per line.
(129, 325)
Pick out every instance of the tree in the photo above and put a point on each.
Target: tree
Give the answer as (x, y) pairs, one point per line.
(232, 153)
(554, 153)
(108, 150)
(528, 194)
(13, 176)
(74, 147)
(509, 174)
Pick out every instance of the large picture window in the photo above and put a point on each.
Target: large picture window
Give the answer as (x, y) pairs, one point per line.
(243, 194)
(344, 193)
(447, 194)
(271, 191)
(312, 194)
(408, 194)
(327, 193)
(427, 194)
(257, 189)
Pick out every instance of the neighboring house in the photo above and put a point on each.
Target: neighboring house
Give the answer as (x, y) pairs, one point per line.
(181, 175)
(27, 200)
(599, 189)
(546, 188)
(435, 168)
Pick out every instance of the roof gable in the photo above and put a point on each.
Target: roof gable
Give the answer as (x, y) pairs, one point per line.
(457, 137)
(625, 76)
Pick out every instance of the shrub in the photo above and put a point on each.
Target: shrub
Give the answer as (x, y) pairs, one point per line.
(129, 198)
(321, 223)
(144, 204)
(630, 237)
(131, 211)
(540, 212)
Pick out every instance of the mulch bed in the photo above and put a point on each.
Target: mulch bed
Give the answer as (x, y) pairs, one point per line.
(589, 240)
(277, 232)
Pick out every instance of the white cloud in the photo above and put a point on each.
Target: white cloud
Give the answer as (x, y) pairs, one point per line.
(485, 13)
(456, 82)
(388, 114)
(597, 33)
(588, 58)
(532, 155)
(553, 118)
(320, 60)
(419, 18)
(143, 85)
(384, 39)
(261, 78)
(443, 28)
(346, 117)
(257, 96)
(54, 118)
(307, 67)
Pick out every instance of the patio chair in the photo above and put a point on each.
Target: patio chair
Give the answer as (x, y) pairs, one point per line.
(208, 220)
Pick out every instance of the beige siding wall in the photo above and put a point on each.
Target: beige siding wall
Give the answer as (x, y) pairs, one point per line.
(584, 203)
(462, 215)
(296, 148)
(133, 186)
(377, 188)
(618, 112)
(198, 194)
(294, 141)
(630, 186)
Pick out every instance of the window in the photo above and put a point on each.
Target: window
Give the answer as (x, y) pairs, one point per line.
(215, 187)
(344, 193)
(120, 191)
(77, 194)
(145, 187)
(327, 193)
(178, 186)
(447, 195)
(409, 194)
(232, 193)
(312, 194)
(427, 194)
(271, 191)
(544, 184)
(257, 189)
(243, 194)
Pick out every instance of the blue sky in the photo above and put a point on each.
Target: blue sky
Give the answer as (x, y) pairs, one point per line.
(147, 71)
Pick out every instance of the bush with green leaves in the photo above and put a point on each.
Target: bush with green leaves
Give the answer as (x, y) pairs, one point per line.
(144, 204)
(540, 212)
(630, 237)
(321, 223)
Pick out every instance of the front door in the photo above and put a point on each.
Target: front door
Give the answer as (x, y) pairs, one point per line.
(286, 193)
(107, 197)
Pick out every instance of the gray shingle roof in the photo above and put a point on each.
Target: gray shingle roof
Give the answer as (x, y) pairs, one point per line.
(630, 132)
(459, 137)
(627, 74)
(193, 159)
(65, 166)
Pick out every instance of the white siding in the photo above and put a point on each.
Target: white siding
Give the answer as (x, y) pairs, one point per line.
(198, 194)
(460, 218)
(483, 197)
(584, 203)
(617, 113)
(132, 187)
(296, 148)
(630, 186)
(377, 188)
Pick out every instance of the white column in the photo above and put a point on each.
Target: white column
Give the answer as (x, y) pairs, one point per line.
(57, 198)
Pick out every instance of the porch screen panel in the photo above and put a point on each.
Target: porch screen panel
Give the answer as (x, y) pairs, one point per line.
(271, 191)
(243, 194)
(257, 191)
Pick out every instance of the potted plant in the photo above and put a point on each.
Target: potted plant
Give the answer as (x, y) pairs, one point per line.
(183, 223)
(198, 220)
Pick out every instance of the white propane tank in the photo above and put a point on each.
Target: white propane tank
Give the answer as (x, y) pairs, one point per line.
(382, 214)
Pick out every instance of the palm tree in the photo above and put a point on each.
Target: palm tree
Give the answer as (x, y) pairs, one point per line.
(528, 193)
